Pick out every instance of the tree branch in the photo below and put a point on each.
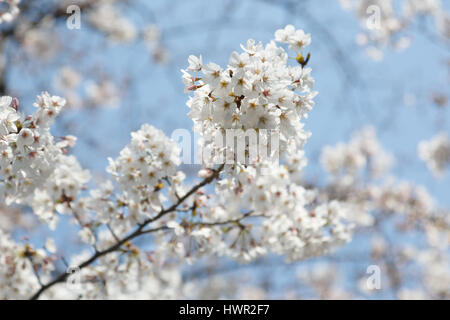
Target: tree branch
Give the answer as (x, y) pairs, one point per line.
(138, 232)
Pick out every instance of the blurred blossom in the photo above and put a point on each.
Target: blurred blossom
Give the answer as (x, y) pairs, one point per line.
(108, 18)
(11, 11)
(104, 93)
(436, 153)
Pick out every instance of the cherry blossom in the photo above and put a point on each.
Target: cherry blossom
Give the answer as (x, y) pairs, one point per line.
(436, 153)
(12, 12)
(233, 207)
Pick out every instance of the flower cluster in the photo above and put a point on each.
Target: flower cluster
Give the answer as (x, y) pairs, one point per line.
(108, 19)
(102, 93)
(28, 151)
(436, 264)
(18, 265)
(60, 190)
(436, 153)
(294, 222)
(402, 197)
(12, 12)
(81, 92)
(35, 169)
(323, 278)
(240, 208)
(138, 275)
(153, 40)
(361, 180)
(143, 178)
(297, 39)
(384, 25)
(257, 90)
(346, 161)
(141, 169)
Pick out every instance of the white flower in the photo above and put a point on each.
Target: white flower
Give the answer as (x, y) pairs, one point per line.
(8, 116)
(25, 138)
(283, 35)
(212, 73)
(297, 39)
(195, 63)
(50, 245)
(86, 236)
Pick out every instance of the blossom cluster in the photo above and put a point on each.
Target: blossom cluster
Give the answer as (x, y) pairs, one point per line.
(436, 264)
(18, 263)
(257, 90)
(28, 151)
(85, 93)
(35, 39)
(153, 39)
(323, 278)
(250, 209)
(384, 25)
(34, 168)
(252, 215)
(137, 275)
(241, 210)
(436, 153)
(141, 170)
(346, 161)
(402, 197)
(361, 178)
(377, 198)
(107, 18)
(58, 192)
(11, 13)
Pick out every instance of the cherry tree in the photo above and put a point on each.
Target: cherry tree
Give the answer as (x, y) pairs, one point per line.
(154, 227)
